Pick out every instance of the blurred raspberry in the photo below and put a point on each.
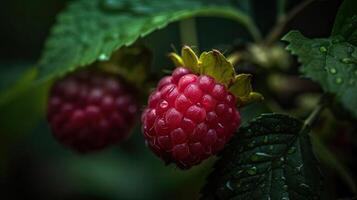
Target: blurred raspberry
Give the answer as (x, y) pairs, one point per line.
(89, 110)
(189, 118)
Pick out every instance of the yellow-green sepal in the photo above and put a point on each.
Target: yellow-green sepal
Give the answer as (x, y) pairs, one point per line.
(211, 63)
(214, 64)
(190, 59)
(242, 89)
(176, 59)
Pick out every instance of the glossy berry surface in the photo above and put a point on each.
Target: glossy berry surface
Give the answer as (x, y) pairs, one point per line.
(89, 110)
(189, 118)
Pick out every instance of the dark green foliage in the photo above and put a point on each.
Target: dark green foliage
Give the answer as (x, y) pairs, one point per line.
(331, 62)
(92, 30)
(270, 158)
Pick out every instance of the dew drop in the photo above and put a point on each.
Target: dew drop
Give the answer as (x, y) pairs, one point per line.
(285, 187)
(339, 80)
(252, 171)
(259, 156)
(229, 185)
(304, 187)
(323, 49)
(282, 159)
(103, 57)
(346, 60)
(298, 168)
(333, 70)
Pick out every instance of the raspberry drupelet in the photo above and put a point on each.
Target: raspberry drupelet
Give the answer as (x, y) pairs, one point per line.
(89, 110)
(189, 117)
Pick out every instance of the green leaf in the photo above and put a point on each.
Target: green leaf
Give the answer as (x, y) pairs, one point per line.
(92, 30)
(346, 11)
(331, 62)
(270, 158)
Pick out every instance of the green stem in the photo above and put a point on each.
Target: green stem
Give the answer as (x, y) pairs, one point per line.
(235, 15)
(283, 21)
(188, 32)
(311, 119)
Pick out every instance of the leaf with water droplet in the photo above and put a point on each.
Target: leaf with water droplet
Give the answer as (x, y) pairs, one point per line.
(103, 57)
(324, 58)
(263, 168)
(87, 28)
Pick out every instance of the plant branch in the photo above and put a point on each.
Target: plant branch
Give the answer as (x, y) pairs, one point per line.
(188, 32)
(284, 20)
(311, 119)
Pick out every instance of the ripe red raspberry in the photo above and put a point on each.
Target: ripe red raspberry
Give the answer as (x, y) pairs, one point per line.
(189, 118)
(90, 110)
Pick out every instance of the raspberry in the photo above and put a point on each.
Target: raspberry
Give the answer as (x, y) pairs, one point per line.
(90, 110)
(189, 118)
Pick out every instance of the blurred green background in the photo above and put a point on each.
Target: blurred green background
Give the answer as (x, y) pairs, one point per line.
(34, 166)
